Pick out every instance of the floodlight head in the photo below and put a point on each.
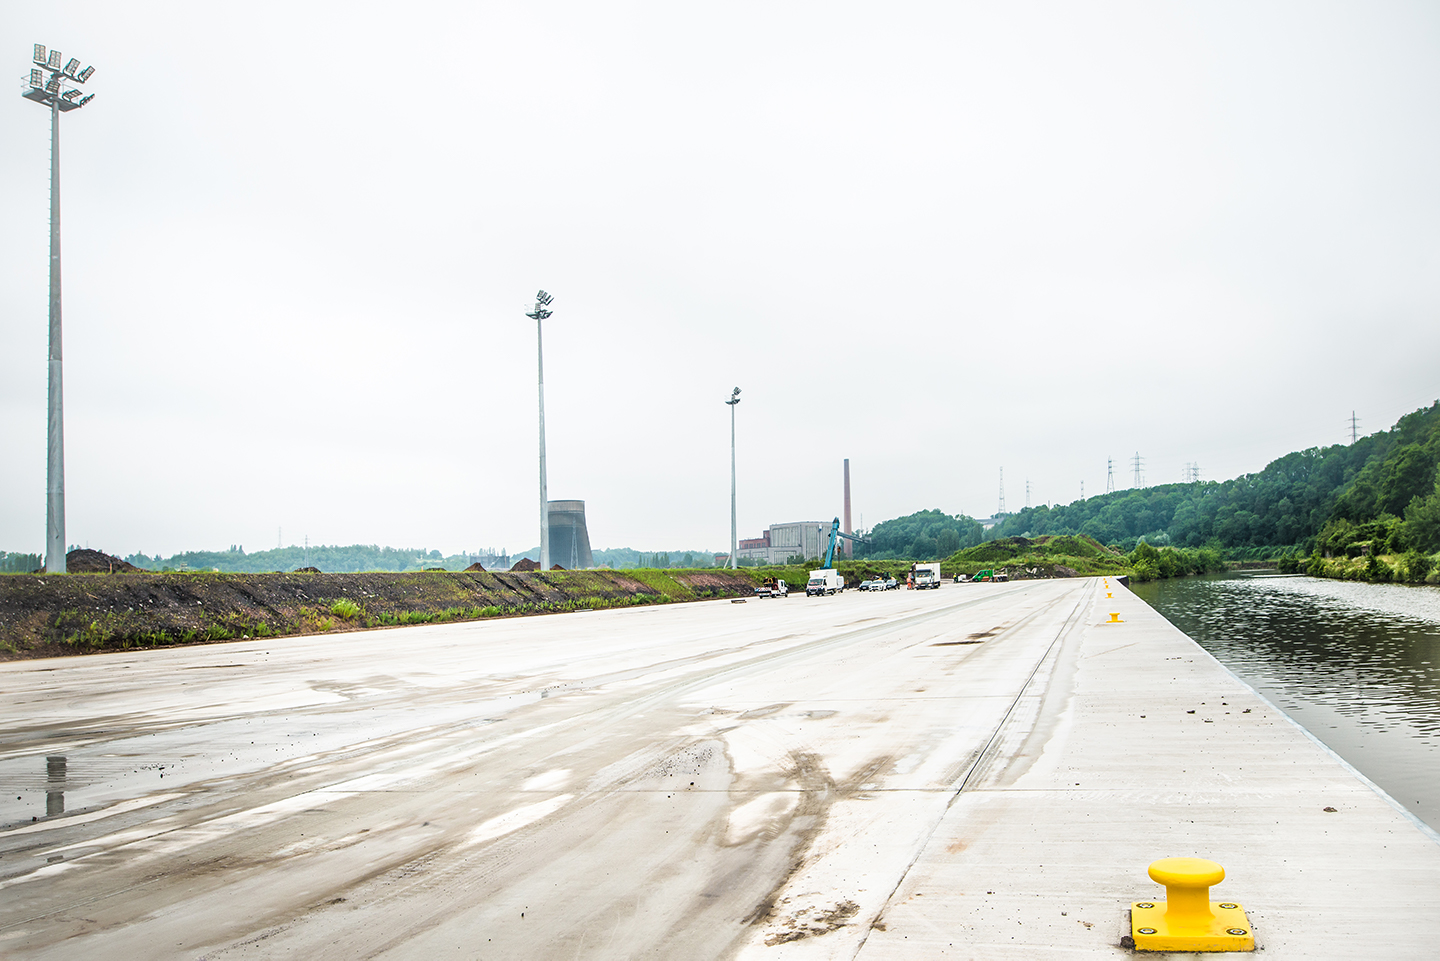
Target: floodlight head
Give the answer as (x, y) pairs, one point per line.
(53, 86)
(543, 299)
(39, 53)
(70, 94)
(54, 62)
(70, 67)
(84, 75)
(735, 392)
(85, 99)
(37, 77)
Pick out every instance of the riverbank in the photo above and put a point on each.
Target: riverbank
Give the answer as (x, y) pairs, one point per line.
(1412, 567)
(56, 615)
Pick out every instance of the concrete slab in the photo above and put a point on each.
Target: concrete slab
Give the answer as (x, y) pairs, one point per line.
(1144, 747)
(980, 771)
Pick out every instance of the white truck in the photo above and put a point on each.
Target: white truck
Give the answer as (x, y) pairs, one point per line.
(925, 576)
(773, 587)
(825, 581)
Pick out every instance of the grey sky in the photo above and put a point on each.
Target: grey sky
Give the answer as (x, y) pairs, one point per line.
(935, 238)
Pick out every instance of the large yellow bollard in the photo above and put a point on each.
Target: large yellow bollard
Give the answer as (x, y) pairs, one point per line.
(1115, 618)
(1187, 920)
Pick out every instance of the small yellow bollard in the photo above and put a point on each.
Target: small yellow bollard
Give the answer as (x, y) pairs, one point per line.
(1115, 618)
(1187, 920)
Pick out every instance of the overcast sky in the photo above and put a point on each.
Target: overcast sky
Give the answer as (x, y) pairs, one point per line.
(938, 239)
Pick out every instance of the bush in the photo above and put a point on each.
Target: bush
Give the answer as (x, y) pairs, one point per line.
(1417, 566)
(345, 609)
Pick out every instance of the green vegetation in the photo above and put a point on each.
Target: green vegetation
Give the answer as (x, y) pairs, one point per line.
(1046, 556)
(345, 609)
(1153, 563)
(923, 535)
(367, 557)
(55, 615)
(13, 563)
(1368, 510)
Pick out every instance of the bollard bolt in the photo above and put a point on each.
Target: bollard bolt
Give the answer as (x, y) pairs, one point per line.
(1187, 920)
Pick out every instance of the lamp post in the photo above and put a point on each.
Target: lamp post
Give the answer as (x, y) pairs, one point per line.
(733, 402)
(542, 300)
(49, 87)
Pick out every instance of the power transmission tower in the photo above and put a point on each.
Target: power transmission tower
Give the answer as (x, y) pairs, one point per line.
(1109, 475)
(1027, 493)
(1136, 462)
(1001, 509)
(1082, 490)
(1354, 428)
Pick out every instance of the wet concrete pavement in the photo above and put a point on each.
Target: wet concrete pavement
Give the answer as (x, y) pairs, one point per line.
(707, 780)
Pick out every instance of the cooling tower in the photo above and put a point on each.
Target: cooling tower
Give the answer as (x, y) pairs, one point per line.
(569, 540)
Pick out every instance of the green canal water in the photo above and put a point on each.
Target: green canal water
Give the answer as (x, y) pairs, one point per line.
(1358, 665)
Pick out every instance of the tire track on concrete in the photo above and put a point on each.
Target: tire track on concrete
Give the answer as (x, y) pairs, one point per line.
(986, 754)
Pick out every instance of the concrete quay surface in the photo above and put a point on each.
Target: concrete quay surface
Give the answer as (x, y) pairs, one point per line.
(983, 771)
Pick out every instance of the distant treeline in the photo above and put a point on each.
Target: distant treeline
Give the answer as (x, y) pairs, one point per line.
(12, 563)
(330, 558)
(371, 557)
(924, 535)
(1379, 493)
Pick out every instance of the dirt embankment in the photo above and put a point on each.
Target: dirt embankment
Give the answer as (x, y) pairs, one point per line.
(51, 615)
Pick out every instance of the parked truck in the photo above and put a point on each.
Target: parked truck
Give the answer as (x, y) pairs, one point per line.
(773, 587)
(925, 576)
(827, 580)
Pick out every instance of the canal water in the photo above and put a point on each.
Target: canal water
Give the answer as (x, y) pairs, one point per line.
(1358, 665)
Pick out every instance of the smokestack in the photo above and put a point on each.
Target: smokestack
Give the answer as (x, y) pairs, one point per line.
(849, 545)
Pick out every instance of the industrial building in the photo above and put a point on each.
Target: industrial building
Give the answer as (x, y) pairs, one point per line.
(784, 541)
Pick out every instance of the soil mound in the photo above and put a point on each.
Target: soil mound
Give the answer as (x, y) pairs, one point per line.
(557, 567)
(83, 561)
(477, 568)
(526, 564)
(308, 570)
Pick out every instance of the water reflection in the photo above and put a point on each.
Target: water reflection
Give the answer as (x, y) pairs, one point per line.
(54, 785)
(1357, 664)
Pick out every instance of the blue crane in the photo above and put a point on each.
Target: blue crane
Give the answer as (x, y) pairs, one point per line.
(835, 534)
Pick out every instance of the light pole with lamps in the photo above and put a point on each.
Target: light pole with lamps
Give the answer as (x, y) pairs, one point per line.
(48, 87)
(542, 300)
(733, 402)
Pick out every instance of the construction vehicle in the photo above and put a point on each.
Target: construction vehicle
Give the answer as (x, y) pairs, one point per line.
(827, 580)
(773, 587)
(924, 577)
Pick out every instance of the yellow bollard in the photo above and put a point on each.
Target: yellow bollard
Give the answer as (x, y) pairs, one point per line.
(1108, 594)
(1187, 920)
(1115, 618)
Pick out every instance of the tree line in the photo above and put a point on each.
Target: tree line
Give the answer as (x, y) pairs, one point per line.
(1380, 492)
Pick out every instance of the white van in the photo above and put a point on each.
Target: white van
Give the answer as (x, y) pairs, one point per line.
(827, 581)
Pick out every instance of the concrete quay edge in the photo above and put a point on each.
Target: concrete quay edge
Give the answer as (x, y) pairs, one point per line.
(1136, 744)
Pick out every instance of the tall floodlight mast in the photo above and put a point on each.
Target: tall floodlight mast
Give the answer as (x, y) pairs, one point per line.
(734, 544)
(542, 300)
(50, 85)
